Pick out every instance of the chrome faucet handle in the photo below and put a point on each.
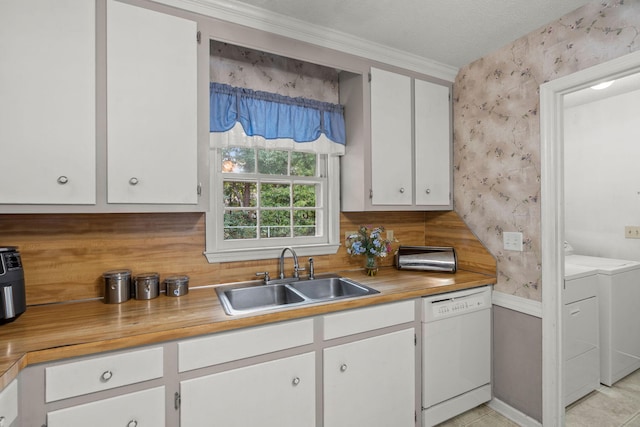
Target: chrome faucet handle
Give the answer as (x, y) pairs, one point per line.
(265, 274)
(296, 271)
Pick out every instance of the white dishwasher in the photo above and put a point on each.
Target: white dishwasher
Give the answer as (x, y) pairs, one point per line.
(456, 353)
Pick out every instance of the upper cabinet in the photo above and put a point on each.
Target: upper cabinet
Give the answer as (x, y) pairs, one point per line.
(102, 108)
(152, 138)
(47, 102)
(407, 164)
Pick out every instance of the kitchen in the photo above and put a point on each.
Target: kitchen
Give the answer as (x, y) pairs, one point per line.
(153, 242)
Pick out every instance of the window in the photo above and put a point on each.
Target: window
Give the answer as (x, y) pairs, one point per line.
(264, 199)
(278, 186)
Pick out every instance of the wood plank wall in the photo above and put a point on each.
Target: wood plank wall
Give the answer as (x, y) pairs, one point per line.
(64, 256)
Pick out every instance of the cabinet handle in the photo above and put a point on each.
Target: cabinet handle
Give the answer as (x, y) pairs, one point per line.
(133, 181)
(106, 376)
(343, 367)
(62, 180)
(132, 423)
(428, 191)
(402, 190)
(295, 381)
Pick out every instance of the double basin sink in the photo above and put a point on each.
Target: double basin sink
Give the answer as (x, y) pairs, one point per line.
(250, 298)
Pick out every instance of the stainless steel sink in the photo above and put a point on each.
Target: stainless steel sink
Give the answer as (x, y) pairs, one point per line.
(331, 288)
(253, 297)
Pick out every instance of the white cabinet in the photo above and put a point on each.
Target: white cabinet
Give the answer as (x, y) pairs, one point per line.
(102, 373)
(152, 141)
(139, 409)
(432, 160)
(407, 163)
(391, 139)
(47, 102)
(277, 393)
(9, 404)
(371, 382)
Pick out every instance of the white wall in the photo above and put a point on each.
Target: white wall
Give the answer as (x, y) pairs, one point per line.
(602, 176)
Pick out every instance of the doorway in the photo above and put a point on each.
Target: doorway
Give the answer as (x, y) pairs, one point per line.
(552, 219)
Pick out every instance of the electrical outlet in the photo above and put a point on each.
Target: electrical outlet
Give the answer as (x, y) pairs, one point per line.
(390, 235)
(632, 232)
(512, 241)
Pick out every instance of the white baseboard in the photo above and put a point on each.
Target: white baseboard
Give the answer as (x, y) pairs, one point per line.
(513, 414)
(512, 302)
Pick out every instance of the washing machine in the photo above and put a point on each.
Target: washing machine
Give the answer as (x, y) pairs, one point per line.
(618, 314)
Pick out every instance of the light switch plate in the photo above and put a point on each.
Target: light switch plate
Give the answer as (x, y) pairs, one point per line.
(512, 241)
(632, 232)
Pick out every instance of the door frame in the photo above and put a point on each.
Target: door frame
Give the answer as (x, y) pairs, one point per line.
(552, 219)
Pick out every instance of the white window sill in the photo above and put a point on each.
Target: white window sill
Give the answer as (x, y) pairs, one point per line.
(269, 253)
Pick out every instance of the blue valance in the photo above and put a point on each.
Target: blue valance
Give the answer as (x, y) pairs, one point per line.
(274, 116)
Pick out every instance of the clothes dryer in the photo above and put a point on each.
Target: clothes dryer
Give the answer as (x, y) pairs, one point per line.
(618, 313)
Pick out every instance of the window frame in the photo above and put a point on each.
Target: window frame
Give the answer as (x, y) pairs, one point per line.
(220, 250)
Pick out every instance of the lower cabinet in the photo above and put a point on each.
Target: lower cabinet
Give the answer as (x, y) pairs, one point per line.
(371, 382)
(140, 409)
(277, 393)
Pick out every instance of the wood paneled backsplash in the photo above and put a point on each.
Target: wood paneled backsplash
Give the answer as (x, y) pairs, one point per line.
(65, 255)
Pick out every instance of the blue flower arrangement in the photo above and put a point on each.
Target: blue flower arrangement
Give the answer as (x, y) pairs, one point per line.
(368, 242)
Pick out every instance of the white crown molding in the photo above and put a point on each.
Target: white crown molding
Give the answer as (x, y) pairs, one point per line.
(261, 19)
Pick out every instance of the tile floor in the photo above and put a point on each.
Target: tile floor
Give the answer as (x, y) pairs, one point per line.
(617, 406)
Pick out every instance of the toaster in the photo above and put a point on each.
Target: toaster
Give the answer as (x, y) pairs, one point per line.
(427, 258)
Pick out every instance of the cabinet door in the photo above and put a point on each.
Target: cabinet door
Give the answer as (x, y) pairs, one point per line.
(432, 144)
(47, 101)
(280, 393)
(139, 409)
(371, 382)
(391, 139)
(151, 107)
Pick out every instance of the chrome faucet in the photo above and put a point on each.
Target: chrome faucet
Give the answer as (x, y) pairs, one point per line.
(296, 266)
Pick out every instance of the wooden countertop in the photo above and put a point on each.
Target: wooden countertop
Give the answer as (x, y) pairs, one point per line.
(57, 331)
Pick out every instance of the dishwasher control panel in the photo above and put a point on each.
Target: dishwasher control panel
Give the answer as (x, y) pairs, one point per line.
(456, 303)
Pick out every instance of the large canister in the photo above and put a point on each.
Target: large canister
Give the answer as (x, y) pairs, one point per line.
(117, 286)
(146, 285)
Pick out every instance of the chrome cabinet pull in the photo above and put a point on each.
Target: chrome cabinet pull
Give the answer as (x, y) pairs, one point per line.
(62, 180)
(133, 181)
(295, 381)
(132, 423)
(343, 367)
(106, 376)
(401, 190)
(428, 191)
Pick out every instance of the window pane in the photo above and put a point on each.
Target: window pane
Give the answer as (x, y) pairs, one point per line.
(303, 164)
(275, 224)
(238, 160)
(304, 223)
(304, 195)
(240, 194)
(272, 162)
(240, 225)
(275, 195)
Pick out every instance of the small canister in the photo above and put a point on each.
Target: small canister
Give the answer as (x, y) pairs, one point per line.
(177, 285)
(146, 285)
(117, 286)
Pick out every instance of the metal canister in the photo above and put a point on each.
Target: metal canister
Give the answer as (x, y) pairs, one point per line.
(146, 285)
(177, 285)
(117, 286)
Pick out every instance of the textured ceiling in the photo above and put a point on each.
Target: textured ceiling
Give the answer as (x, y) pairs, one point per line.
(452, 32)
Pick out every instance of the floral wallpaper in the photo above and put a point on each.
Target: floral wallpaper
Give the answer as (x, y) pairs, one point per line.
(244, 67)
(497, 129)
